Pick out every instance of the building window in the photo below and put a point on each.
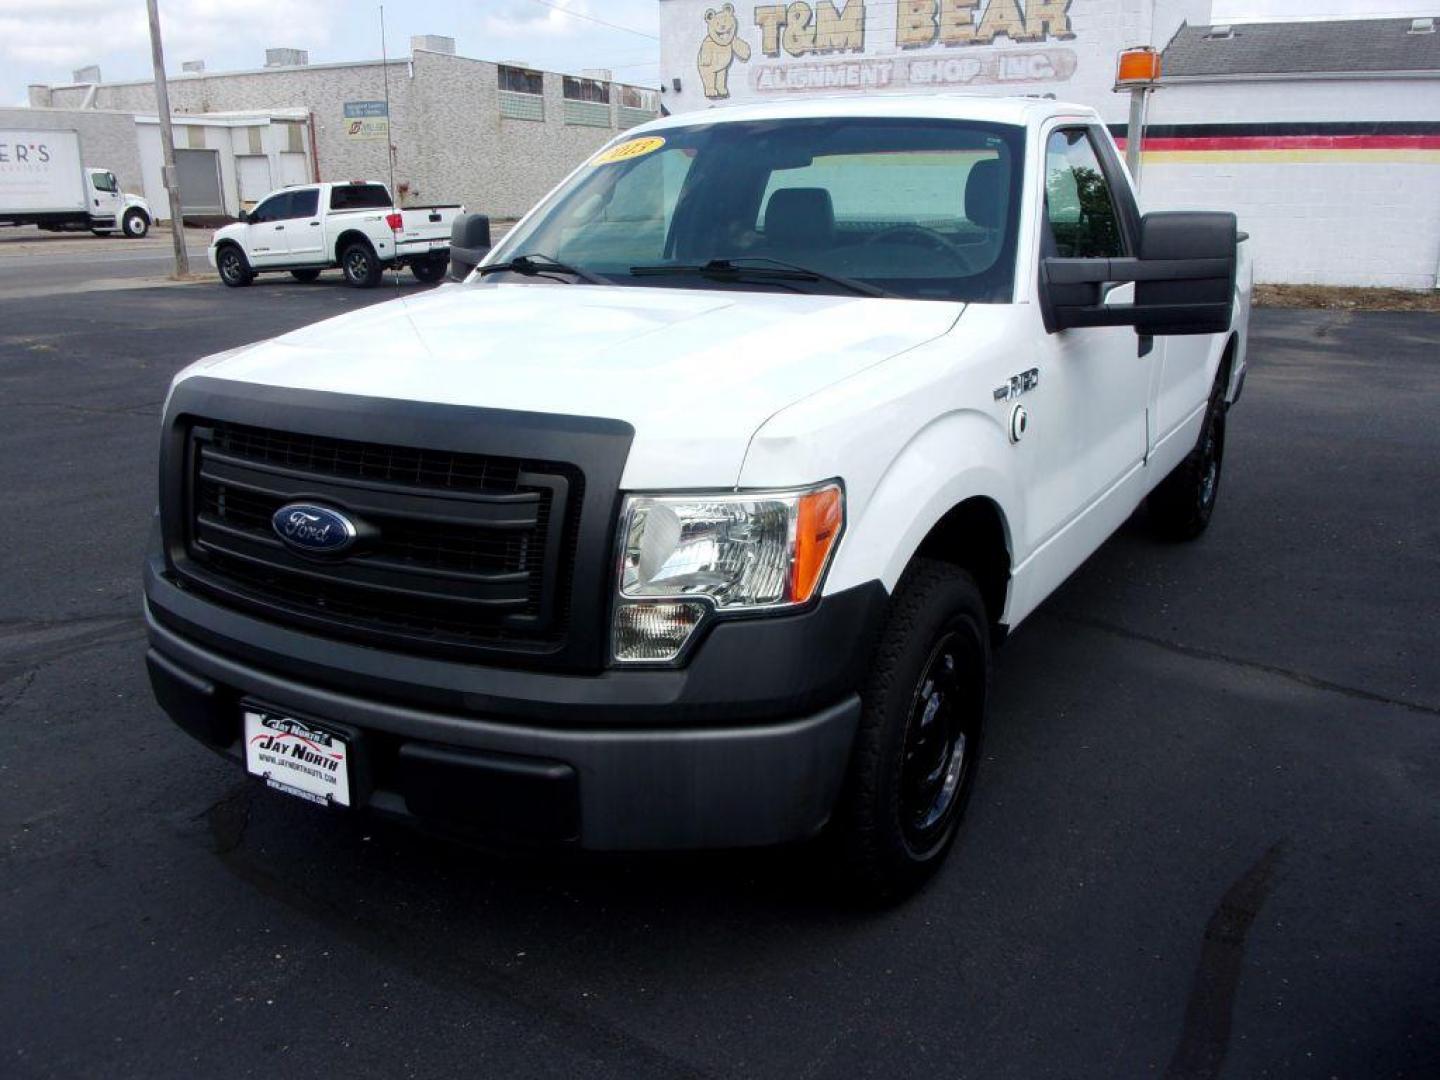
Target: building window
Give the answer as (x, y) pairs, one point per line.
(586, 90)
(587, 102)
(520, 81)
(522, 94)
(637, 106)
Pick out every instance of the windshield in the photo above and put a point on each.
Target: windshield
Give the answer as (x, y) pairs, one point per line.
(918, 208)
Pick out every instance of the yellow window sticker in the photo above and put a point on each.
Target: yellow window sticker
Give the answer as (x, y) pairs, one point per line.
(628, 151)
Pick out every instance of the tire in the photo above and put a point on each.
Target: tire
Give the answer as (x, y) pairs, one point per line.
(360, 266)
(305, 276)
(913, 765)
(234, 269)
(429, 270)
(1181, 505)
(135, 224)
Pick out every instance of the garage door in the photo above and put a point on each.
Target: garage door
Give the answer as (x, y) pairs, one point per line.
(199, 174)
(252, 172)
(294, 169)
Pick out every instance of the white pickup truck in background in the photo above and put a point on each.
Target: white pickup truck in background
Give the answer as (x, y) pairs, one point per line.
(44, 182)
(354, 226)
(692, 517)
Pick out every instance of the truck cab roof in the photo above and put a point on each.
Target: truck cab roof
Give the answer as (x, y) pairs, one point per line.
(1021, 111)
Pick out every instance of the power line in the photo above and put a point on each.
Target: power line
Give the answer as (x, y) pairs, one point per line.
(593, 19)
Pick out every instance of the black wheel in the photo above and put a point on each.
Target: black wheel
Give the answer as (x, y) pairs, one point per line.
(1181, 505)
(362, 269)
(234, 270)
(305, 276)
(135, 224)
(918, 744)
(428, 270)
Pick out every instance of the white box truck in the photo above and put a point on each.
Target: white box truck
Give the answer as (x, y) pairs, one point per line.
(44, 182)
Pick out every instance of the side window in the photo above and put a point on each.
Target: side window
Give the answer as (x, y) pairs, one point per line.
(275, 208)
(1078, 203)
(304, 204)
(103, 181)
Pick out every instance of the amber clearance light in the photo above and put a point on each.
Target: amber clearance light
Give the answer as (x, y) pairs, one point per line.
(1137, 67)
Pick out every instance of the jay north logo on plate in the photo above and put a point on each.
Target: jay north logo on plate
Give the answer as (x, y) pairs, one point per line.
(297, 758)
(313, 530)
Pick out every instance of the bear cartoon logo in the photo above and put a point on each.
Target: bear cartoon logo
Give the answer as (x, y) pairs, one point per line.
(722, 45)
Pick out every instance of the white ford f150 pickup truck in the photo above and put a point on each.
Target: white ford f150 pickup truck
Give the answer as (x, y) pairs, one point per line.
(692, 516)
(316, 227)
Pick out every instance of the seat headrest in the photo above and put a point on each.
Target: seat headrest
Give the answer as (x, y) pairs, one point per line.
(802, 216)
(985, 194)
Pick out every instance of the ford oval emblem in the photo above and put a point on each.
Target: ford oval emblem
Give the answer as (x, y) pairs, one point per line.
(313, 530)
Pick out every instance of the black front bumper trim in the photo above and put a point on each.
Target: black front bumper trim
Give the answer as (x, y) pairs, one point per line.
(650, 788)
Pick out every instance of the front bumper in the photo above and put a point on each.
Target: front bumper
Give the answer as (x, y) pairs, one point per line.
(747, 745)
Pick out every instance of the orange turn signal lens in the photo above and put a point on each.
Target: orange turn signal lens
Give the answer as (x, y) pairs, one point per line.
(820, 517)
(1138, 66)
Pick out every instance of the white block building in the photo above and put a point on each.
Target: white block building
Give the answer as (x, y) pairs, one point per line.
(1324, 136)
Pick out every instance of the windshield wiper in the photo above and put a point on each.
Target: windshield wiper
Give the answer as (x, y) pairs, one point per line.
(538, 265)
(777, 269)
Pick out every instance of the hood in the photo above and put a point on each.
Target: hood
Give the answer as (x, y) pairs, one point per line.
(694, 372)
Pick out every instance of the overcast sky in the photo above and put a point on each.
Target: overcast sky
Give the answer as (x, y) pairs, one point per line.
(43, 41)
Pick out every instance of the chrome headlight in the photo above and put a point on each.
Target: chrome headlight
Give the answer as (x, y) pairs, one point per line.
(684, 557)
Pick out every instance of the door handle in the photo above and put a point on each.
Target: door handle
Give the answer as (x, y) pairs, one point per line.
(279, 227)
(314, 224)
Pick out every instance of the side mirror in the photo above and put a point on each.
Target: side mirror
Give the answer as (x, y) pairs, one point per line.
(245, 217)
(1184, 279)
(469, 244)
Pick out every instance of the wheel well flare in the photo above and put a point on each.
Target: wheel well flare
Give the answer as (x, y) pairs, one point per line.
(346, 239)
(972, 535)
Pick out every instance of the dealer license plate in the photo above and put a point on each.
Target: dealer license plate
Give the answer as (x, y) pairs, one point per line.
(297, 758)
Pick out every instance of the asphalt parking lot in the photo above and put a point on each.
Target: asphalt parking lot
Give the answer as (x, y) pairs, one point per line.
(1205, 842)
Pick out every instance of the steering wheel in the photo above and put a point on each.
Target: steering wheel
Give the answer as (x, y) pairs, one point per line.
(920, 236)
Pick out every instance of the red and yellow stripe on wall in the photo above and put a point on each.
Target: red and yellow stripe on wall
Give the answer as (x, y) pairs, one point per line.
(1242, 143)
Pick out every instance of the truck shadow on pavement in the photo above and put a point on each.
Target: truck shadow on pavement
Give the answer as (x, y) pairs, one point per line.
(332, 279)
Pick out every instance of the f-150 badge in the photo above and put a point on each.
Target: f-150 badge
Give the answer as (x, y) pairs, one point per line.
(1018, 384)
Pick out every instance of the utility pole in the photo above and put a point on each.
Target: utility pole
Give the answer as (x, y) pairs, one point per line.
(167, 143)
(1135, 131)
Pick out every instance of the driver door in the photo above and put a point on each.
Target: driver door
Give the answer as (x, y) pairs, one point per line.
(105, 201)
(1087, 416)
(265, 241)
